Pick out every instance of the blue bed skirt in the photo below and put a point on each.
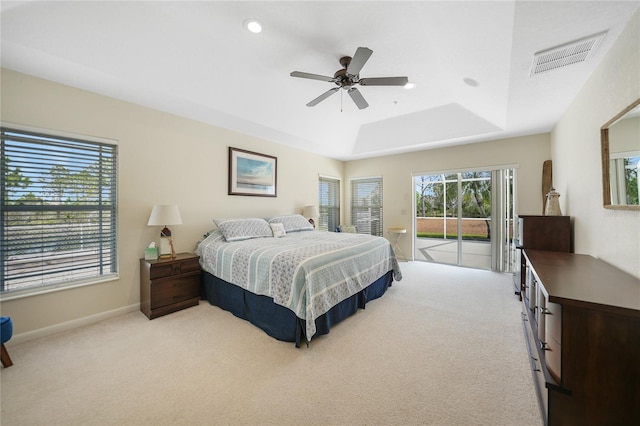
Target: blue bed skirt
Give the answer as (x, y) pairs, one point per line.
(276, 320)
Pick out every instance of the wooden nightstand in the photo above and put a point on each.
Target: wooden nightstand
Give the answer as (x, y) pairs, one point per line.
(168, 285)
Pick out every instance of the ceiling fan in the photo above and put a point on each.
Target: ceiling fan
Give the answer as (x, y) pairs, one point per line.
(349, 76)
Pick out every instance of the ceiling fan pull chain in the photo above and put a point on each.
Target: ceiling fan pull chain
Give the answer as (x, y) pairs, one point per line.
(341, 100)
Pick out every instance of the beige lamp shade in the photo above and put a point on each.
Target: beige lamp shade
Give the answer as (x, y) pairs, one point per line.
(163, 215)
(310, 211)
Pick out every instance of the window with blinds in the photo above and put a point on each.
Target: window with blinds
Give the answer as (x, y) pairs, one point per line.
(58, 215)
(366, 205)
(329, 203)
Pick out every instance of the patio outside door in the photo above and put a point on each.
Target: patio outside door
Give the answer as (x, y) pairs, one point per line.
(455, 218)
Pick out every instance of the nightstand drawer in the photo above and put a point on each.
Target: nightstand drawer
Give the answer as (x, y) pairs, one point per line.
(169, 291)
(175, 268)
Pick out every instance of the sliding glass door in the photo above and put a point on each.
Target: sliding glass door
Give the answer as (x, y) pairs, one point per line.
(464, 218)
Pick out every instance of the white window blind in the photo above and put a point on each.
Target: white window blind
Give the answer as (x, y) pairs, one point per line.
(329, 203)
(58, 215)
(366, 205)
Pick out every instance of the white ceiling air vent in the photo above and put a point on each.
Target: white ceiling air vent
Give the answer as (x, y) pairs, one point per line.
(566, 54)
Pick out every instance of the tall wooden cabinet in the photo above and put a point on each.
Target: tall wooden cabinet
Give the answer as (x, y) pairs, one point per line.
(581, 320)
(552, 233)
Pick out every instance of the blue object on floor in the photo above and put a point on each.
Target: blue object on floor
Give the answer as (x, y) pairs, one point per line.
(6, 331)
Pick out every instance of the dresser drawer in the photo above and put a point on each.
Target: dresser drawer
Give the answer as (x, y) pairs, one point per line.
(553, 356)
(532, 289)
(553, 321)
(175, 268)
(535, 362)
(541, 308)
(169, 291)
(541, 387)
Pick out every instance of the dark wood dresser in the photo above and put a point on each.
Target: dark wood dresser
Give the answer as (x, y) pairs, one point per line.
(168, 285)
(581, 320)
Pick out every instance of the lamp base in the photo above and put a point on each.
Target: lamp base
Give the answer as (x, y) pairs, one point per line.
(165, 247)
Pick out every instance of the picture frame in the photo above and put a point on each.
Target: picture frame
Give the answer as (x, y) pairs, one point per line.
(252, 173)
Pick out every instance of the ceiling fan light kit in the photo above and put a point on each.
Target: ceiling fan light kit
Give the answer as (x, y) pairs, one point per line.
(349, 76)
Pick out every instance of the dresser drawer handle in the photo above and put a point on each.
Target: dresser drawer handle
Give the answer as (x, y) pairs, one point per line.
(545, 311)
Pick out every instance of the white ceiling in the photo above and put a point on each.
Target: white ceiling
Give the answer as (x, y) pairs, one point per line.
(196, 60)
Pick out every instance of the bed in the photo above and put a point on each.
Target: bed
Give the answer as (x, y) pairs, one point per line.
(290, 280)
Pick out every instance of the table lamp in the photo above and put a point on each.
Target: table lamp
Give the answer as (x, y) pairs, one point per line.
(311, 212)
(164, 215)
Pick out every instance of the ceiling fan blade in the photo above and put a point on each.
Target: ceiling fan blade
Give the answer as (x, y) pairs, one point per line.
(384, 81)
(311, 76)
(357, 98)
(322, 97)
(359, 59)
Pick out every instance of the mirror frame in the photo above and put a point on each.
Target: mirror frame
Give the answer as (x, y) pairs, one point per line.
(606, 183)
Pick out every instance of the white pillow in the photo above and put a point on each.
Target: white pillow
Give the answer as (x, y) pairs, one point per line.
(243, 229)
(278, 230)
(293, 223)
(348, 228)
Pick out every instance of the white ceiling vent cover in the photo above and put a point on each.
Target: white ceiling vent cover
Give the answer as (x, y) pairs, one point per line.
(566, 54)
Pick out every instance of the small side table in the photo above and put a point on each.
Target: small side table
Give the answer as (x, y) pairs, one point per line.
(396, 234)
(168, 285)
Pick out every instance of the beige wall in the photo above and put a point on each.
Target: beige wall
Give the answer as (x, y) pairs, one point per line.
(525, 153)
(163, 159)
(612, 235)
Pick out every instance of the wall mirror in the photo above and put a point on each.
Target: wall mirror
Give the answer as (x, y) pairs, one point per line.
(621, 159)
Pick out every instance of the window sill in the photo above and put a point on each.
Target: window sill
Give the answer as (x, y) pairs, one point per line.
(37, 291)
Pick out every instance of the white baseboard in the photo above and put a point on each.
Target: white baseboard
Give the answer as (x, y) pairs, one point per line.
(69, 325)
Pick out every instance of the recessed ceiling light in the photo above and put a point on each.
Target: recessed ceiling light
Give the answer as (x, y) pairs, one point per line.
(471, 82)
(410, 85)
(252, 25)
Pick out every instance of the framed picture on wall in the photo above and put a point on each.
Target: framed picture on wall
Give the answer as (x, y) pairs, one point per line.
(251, 173)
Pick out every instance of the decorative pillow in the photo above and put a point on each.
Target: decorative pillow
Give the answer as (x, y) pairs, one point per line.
(293, 223)
(243, 229)
(215, 234)
(278, 229)
(348, 228)
(209, 232)
(210, 236)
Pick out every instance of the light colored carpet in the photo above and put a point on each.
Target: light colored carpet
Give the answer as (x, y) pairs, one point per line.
(444, 346)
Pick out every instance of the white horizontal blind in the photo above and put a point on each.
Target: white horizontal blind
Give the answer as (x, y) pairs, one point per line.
(366, 205)
(329, 203)
(58, 210)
